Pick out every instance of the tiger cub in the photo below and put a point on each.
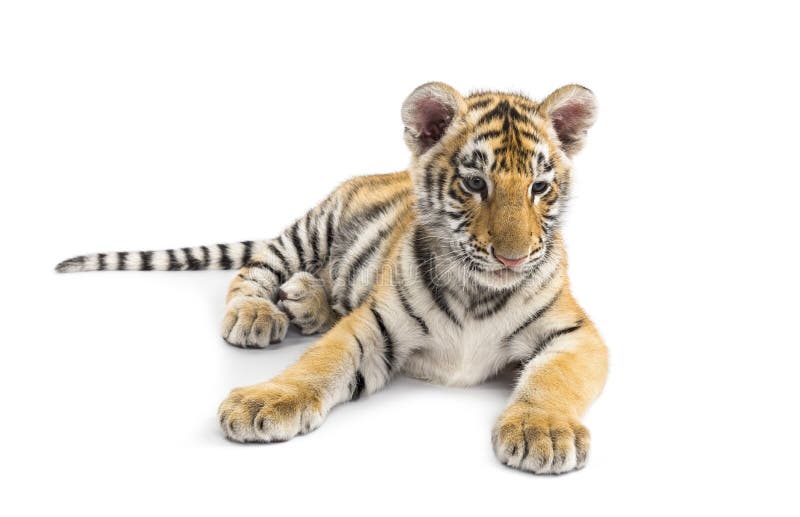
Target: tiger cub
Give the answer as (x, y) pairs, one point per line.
(448, 272)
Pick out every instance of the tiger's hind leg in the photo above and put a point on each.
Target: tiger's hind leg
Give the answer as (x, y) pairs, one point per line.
(304, 298)
(253, 318)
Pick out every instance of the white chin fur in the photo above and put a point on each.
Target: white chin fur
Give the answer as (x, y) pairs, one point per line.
(499, 279)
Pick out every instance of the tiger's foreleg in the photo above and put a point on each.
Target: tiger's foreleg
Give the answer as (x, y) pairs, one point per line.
(540, 430)
(356, 356)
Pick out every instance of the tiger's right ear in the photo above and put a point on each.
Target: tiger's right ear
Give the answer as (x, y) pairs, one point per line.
(427, 113)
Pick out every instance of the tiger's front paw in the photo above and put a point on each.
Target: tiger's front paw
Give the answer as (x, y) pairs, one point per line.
(305, 301)
(253, 322)
(269, 412)
(538, 441)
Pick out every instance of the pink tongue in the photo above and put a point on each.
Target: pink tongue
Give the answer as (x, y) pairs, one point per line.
(510, 262)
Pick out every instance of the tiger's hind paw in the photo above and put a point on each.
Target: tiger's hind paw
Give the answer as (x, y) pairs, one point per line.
(305, 301)
(252, 322)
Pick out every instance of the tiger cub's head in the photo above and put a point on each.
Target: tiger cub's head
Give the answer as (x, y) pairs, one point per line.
(491, 174)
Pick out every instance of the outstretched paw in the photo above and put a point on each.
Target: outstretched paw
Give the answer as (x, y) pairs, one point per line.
(269, 412)
(251, 321)
(540, 442)
(305, 301)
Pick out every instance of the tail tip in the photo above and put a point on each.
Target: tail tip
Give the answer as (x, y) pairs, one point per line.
(71, 265)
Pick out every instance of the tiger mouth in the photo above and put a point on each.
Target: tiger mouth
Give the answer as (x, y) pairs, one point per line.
(506, 273)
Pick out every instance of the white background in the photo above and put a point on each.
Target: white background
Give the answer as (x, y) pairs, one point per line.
(150, 124)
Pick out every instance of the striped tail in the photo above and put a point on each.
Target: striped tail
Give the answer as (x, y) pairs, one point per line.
(217, 256)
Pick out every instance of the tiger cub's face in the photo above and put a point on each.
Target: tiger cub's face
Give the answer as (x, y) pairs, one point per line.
(491, 174)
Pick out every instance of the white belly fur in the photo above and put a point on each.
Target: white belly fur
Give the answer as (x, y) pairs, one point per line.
(459, 356)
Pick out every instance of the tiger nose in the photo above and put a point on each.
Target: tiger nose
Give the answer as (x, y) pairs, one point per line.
(510, 262)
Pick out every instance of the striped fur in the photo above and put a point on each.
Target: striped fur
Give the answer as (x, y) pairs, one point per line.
(448, 271)
(217, 256)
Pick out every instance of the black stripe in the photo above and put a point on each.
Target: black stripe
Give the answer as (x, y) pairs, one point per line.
(407, 306)
(479, 300)
(502, 163)
(329, 234)
(350, 195)
(192, 263)
(515, 131)
(248, 252)
(224, 260)
(377, 210)
(359, 386)
(491, 311)
(463, 224)
(147, 258)
(552, 335)
(525, 104)
(122, 260)
(488, 134)
(206, 256)
(314, 241)
(388, 344)
(174, 265)
(298, 246)
(503, 110)
(480, 104)
(271, 247)
(101, 261)
(428, 181)
(356, 185)
(525, 446)
(533, 317)
(461, 198)
(440, 183)
(358, 382)
(263, 265)
(425, 264)
(358, 263)
(360, 349)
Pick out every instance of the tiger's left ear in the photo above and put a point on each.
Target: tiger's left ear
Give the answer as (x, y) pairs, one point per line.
(572, 110)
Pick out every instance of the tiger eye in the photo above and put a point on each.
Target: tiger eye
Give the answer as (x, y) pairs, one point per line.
(539, 187)
(476, 184)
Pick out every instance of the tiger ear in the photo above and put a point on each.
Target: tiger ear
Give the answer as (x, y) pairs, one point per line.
(572, 110)
(428, 112)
